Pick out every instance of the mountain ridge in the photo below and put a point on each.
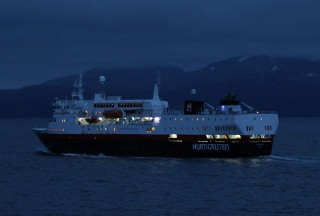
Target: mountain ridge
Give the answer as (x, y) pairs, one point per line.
(288, 85)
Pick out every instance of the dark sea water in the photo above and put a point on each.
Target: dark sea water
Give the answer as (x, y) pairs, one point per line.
(34, 183)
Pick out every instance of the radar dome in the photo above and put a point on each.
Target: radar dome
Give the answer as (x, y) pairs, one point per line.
(102, 79)
(193, 92)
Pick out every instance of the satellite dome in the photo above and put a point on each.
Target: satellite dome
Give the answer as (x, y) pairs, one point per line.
(193, 92)
(102, 79)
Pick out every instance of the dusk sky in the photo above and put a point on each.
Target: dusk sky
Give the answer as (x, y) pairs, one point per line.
(45, 39)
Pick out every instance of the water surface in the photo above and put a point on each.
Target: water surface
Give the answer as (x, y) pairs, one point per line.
(35, 183)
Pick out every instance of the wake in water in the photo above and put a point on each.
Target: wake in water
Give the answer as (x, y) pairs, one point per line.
(289, 158)
(257, 161)
(100, 156)
(43, 151)
(295, 158)
(46, 152)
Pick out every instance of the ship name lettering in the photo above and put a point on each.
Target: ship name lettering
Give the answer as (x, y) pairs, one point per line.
(211, 147)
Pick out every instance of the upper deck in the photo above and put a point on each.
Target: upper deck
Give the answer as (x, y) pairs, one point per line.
(114, 114)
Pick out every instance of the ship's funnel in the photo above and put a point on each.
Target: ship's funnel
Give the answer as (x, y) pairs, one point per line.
(156, 92)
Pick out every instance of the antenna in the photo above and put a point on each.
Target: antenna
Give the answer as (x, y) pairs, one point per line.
(156, 87)
(102, 80)
(78, 90)
(193, 92)
(158, 78)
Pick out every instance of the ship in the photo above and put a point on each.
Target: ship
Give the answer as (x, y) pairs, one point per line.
(113, 126)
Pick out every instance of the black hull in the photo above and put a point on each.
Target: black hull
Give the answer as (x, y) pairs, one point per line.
(188, 146)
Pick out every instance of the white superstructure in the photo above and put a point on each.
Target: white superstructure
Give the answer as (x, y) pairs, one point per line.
(153, 116)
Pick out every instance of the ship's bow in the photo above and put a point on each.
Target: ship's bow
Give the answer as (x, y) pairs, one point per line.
(40, 133)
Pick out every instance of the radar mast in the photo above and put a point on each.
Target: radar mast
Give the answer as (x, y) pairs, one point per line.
(77, 94)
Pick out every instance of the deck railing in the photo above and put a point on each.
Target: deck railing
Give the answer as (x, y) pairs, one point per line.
(180, 111)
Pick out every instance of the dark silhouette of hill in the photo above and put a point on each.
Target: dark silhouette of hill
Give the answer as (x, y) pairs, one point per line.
(288, 85)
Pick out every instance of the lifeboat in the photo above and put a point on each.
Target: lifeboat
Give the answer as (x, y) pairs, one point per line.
(92, 120)
(114, 113)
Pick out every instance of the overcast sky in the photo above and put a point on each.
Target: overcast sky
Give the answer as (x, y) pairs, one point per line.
(45, 39)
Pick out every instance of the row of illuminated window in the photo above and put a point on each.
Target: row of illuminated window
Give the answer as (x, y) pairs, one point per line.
(207, 128)
(56, 129)
(61, 107)
(149, 130)
(181, 128)
(62, 120)
(262, 136)
(209, 137)
(196, 119)
(192, 128)
(230, 136)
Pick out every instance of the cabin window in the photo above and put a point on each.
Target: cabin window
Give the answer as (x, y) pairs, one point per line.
(209, 136)
(220, 137)
(234, 136)
(156, 120)
(254, 136)
(173, 136)
(267, 127)
(249, 128)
